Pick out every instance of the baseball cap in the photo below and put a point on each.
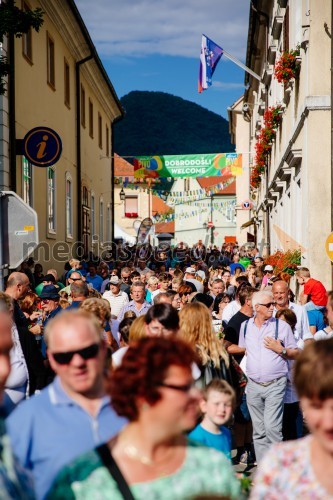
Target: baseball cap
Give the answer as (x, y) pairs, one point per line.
(268, 268)
(49, 277)
(201, 274)
(190, 270)
(114, 280)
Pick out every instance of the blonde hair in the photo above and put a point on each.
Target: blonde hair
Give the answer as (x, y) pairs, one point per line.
(137, 330)
(63, 303)
(72, 262)
(152, 280)
(196, 327)
(303, 272)
(98, 308)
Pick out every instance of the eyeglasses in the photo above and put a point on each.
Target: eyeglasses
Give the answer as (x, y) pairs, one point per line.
(268, 305)
(45, 301)
(64, 358)
(180, 388)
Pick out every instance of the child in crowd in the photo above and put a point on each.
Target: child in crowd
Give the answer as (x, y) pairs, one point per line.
(313, 294)
(217, 406)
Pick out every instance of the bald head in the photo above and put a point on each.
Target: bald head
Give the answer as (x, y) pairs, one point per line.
(280, 291)
(67, 323)
(17, 285)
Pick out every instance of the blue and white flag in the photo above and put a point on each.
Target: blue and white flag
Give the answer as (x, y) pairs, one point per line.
(209, 57)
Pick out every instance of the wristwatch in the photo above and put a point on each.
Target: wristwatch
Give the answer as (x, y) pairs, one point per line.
(283, 353)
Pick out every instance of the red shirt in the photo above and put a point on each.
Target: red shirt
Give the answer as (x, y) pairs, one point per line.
(317, 292)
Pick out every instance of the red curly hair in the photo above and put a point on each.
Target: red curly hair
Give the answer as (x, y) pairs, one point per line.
(142, 369)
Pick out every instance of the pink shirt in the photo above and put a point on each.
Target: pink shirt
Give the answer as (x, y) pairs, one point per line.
(262, 364)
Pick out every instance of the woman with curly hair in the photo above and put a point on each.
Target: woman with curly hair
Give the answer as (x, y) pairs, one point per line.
(196, 327)
(152, 388)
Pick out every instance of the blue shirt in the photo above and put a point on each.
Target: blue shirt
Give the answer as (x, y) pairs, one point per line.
(234, 266)
(130, 306)
(95, 281)
(49, 430)
(221, 441)
(316, 318)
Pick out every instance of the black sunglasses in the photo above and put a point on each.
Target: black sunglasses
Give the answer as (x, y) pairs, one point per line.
(268, 305)
(181, 388)
(64, 358)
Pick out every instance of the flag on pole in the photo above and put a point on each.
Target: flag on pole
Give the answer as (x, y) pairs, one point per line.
(209, 58)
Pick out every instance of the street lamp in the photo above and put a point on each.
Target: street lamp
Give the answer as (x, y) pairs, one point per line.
(122, 195)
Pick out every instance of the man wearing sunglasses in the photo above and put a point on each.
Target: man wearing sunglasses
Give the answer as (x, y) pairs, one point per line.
(269, 344)
(73, 414)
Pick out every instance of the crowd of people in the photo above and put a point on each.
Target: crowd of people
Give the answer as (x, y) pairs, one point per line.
(137, 379)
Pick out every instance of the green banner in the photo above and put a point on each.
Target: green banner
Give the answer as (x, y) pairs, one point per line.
(184, 166)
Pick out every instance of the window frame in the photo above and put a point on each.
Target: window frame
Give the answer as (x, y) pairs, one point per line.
(69, 230)
(131, 214)
(50, 61)
(67, 84)
(51, 231)
(101, 220)
(93, 216)
(30, 177)
(107, 140)
(83, 106)
(27, 38)
(91, 118)
(100, 128)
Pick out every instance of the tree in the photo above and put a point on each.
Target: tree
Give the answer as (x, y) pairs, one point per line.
(15, 21)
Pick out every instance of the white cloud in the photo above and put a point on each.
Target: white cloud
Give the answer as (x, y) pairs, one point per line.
(136, 28)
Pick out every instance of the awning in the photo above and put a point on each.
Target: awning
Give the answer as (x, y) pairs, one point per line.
(120, 233)
(248, 223)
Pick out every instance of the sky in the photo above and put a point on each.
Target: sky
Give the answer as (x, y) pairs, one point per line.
(155, 45)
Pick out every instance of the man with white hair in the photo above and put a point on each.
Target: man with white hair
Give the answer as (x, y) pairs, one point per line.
(269, 344)
(73, 414)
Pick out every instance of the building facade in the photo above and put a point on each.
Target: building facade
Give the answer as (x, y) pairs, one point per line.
(60, 83)
(291, 181)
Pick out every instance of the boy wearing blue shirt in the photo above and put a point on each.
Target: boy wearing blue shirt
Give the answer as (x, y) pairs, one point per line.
(217, 407)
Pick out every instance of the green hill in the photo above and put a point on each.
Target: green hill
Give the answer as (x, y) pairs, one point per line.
(157, 123)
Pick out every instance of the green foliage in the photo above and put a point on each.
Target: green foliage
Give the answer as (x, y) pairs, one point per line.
(15, 21)
(157, 123)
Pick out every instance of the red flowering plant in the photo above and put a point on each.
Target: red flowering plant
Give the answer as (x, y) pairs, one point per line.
(272, 119)
(284, 263)
(287, 66)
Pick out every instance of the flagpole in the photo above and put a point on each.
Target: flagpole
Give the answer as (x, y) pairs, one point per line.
(241, 65)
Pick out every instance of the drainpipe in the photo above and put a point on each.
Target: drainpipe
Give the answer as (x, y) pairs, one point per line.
(78, 143)
(11, 118)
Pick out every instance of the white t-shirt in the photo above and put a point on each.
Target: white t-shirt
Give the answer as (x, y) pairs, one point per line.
(323, 335)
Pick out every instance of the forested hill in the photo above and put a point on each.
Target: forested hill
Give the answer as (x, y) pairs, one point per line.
(157, 123)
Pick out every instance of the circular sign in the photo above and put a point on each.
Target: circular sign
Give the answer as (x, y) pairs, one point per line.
(247, 205)
(42, 146)
(210, 224)
(329, 246)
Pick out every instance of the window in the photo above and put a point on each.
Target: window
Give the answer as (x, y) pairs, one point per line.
(91, 119)
(51, 200)
(101, 221)
(92, 213)
(186, 185)
(100, 141)
(107, 139)
(83, 107)
(27, 38)
(69, 207)
(67, 84)
(27, 181)
(108, 223)
(50, 62)
(131, 207)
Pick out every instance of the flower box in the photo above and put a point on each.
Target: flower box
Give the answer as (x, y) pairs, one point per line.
(131, 215)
